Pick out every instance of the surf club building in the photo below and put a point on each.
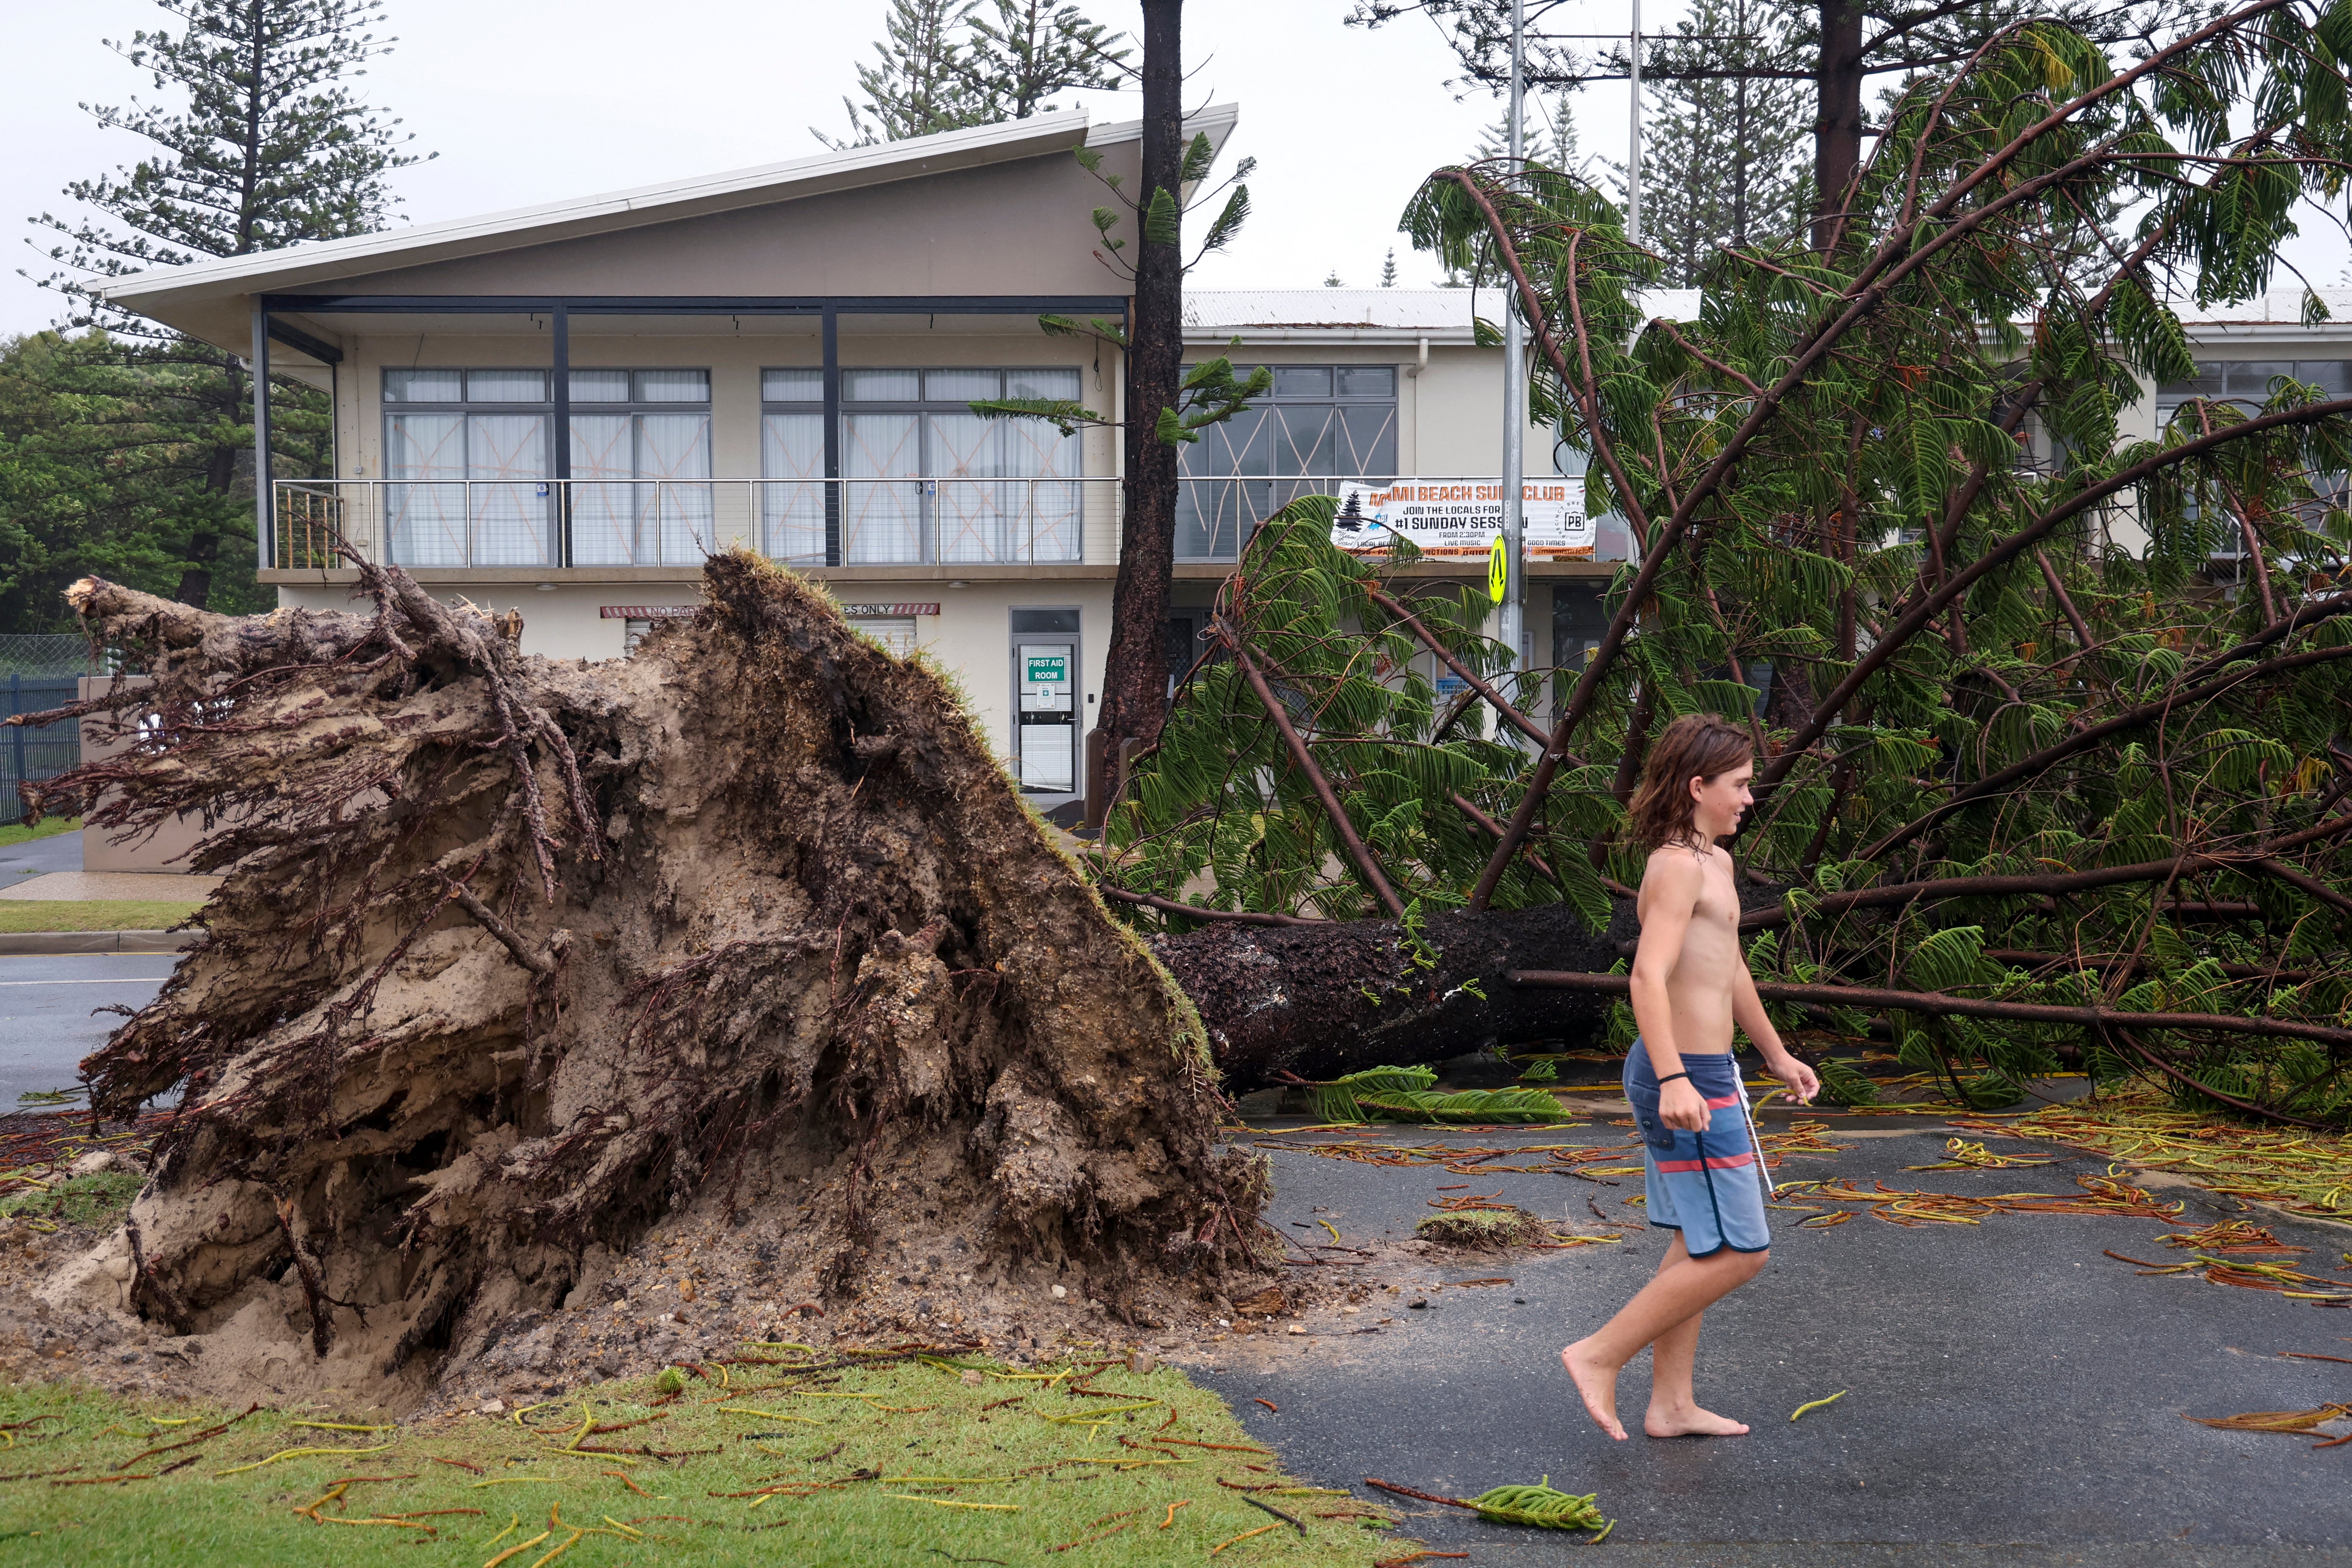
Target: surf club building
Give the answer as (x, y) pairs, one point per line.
(561, 409)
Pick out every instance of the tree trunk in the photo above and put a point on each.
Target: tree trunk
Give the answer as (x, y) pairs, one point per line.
(1326, 999)
(220, 478)
(1837, 128)
(1134, 674)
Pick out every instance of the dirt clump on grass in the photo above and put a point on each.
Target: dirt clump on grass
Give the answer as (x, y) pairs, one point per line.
(732, 977)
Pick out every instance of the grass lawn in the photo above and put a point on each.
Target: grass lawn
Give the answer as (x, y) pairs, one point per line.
(789, 1461)
(94, 914)
(17, 833)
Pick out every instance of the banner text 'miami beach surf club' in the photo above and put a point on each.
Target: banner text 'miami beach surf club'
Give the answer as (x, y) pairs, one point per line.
(1463, 518)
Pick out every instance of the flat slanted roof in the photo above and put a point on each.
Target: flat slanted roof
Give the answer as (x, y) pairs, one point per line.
(1368, 315)
(209, 298)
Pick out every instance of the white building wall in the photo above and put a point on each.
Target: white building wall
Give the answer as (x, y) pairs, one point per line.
(971, 638)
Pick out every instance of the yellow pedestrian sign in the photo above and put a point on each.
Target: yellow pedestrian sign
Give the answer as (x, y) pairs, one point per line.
(1498, 570)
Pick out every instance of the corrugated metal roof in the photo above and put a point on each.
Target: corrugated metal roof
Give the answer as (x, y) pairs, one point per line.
(2278, 308)
(1444, 314)
(1388, 312)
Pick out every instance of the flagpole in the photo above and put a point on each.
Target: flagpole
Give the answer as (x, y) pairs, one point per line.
(1512, 621)
(1634, 140)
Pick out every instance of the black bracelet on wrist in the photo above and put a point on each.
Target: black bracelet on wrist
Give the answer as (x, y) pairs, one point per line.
(1670, 1078)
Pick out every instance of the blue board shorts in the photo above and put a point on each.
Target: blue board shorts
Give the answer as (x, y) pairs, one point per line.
(1705, 1185)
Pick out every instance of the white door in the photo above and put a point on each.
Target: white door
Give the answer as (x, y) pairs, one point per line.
(1045, 702)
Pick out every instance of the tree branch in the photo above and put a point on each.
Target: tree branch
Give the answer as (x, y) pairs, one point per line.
(531, 958)
(1518, 721)
(1925, 610)
(2084, 740)
(1344, 829)
(2166, 1067)
(1938, 1004)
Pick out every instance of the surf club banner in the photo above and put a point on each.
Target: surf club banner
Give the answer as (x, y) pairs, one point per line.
(1462, 517)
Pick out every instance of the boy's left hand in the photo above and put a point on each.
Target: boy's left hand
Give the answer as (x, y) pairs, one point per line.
(1803, 1083)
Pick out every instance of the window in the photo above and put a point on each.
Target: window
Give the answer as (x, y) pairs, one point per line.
(896, 633)
(640, 460)
(923, 478)
(469, 455)
(1318, 424)
(1186, 629)
(2247, 385)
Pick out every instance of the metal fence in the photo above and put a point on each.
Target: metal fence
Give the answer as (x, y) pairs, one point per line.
(45, 653)
(910, 520)
(41, 753)
(1011, 520)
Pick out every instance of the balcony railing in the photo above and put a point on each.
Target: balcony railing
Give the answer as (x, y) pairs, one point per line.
(548, 524)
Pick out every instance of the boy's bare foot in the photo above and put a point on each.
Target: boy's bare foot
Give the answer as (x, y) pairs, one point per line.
(1690, 1422)
(1597, 1384)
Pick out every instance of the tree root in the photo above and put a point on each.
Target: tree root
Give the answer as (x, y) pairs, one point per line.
(515, 958)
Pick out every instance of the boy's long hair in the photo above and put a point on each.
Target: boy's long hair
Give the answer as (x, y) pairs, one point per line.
(1697, 745)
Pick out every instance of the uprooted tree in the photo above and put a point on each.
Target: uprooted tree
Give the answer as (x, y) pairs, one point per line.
(516, 957)
(2035, 783)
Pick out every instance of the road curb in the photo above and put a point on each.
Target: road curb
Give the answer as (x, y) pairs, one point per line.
(43, 943)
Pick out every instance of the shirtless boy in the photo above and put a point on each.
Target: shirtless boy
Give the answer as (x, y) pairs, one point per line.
(1690, 986)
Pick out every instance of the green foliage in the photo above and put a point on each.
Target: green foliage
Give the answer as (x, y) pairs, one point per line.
(1336, 1100)
(1724, 157)
(1220, 793)
(1470, 1105)
(128, 450)
(1403, 1094)
(1540, 1505)
(104, 472)
(90, 1200)
(1843, 1083)
(943, 65)
(2004, 659)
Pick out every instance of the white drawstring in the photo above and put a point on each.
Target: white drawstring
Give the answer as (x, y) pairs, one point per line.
(1755, 1139)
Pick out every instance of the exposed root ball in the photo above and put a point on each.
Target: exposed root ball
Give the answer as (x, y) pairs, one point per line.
(516, 957)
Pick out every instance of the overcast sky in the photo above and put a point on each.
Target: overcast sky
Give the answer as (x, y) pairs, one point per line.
(528, 100)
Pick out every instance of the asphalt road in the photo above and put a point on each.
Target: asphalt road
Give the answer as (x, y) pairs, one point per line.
(2016, 1397)
(58, 852)
(46, 1022)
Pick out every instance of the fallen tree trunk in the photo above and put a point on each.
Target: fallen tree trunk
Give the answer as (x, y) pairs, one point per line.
(1319, 998)
(1328, 997)
(516, 958)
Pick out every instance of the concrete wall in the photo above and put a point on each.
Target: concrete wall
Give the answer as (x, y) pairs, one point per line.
(969, 637)
(1018, 227)
(100, 740)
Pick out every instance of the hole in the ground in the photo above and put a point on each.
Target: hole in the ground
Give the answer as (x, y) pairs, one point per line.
(429, 1152)
(381, 1119)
